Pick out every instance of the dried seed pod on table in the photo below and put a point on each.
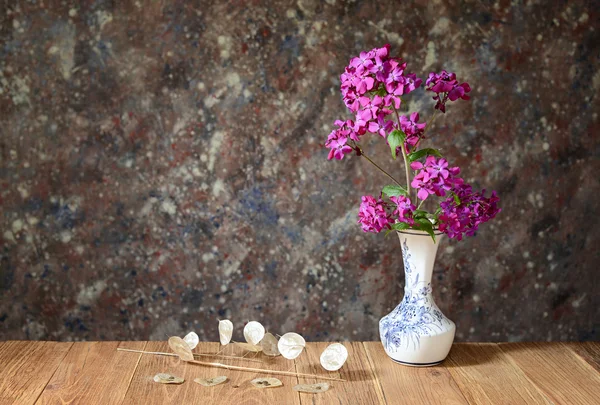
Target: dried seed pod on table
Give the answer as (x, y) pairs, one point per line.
(192, 340)
(254, 332)
(225, 331)
(210, 382)
(291, 345)
(269, 345)
(164, 378)
(181, 348)
(334, 357)
(266, 382)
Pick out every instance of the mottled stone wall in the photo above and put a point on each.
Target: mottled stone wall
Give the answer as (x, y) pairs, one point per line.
(162, 166)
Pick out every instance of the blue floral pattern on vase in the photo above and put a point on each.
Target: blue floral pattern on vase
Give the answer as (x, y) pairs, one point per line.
(417, 315)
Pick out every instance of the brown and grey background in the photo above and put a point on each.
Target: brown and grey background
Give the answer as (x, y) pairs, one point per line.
(162, 166)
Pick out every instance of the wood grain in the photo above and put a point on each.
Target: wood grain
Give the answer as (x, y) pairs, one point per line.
(486, 375)
(92, 373)
(589, 351)
(26, 369)
(237, 390)
(412, 385)
(361, 386)
(558, 372)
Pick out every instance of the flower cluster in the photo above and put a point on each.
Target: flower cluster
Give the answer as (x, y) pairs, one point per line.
(372, 214)
(372, 84)
(412, 129)
(404, 209)
(446, 87)
(466, 210)
(434, 177)
(338, 138)
(372, 88)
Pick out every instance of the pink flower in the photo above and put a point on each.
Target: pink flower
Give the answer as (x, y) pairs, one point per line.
(404, 209)
(434, 177)
(338, 138)
(459, 92)
(372, 215)
(441, 82)
(412, 129)
(381, 126)
(410, 125)
(446, 87)
(411, 83)
(363, 84)
(472, 210)
(363, 62)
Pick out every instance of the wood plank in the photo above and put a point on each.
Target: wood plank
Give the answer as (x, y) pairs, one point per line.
(237, 390)
(589, 351)
(486, 375)
(27, 367)
(92, 373)
(361, 387)
(412, 385)
(558, 372)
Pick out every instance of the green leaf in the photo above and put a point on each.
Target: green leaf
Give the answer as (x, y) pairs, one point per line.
(420, 213)
(422, 153)
(456, 198)
(425, 225)
(396, 138)
(398, 226)
(392, 190)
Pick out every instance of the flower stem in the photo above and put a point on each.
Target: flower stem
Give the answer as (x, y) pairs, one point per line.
(429, 124)
(403, 156)
(376, 165)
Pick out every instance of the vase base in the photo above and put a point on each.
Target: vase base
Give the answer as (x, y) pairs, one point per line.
(404, 363)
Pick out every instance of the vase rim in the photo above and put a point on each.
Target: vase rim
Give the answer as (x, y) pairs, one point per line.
(417, 232)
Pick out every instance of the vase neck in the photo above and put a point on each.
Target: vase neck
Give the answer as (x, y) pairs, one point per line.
(418, 255)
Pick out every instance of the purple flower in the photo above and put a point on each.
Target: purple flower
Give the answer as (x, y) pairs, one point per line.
(412, 129)
(363, 62)
(404, 209)
(472, 209)
(434, 177)
(363, 84)
(362, 121)
(372, 215)
(411, 83)
(459, 92)
(338, 138)
(446, 87)
(441, 82)
(381, 126)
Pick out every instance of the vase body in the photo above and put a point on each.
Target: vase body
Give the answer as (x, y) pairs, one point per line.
(416, 332)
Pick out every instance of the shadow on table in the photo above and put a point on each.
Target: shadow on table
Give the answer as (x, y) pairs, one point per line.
(472, 354)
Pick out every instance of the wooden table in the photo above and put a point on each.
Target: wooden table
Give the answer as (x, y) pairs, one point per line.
(474, 373)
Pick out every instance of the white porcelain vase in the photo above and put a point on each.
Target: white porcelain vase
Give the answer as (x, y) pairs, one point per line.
(416, 333)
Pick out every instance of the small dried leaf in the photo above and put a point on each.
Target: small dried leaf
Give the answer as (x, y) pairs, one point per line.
(312, 388)
(181, 348)
(249, 347)
(225, 331)
(209, 382)
(254, 332)
(269, 345)
(267, 382)
(291, 345)
(167, 379)
(192, 340)
(334, 357)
